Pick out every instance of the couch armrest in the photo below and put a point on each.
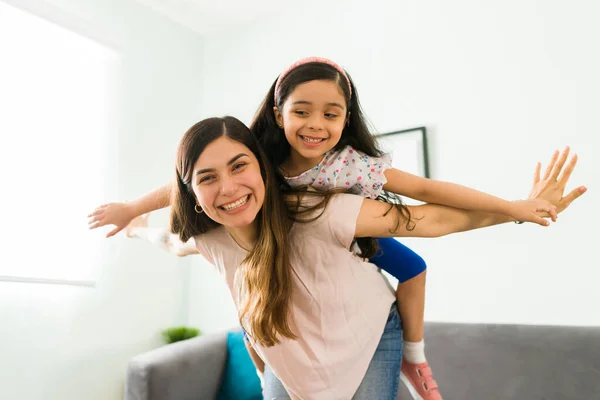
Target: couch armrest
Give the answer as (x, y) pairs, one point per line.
(190, 369)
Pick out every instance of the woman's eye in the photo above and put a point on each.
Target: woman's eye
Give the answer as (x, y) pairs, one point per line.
(205, 179)
(330, 115)
(300, 112)
(238, 166)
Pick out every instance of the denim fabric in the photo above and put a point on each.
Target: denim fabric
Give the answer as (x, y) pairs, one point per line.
(383, 375)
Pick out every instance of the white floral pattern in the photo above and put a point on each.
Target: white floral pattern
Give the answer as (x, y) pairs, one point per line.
(346, 168)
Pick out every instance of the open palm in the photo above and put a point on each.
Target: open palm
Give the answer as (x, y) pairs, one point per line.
(551, 186)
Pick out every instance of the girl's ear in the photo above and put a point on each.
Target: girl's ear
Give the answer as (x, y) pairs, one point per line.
(278, 116)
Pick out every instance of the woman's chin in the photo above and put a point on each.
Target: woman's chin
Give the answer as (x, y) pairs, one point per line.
(239, 221)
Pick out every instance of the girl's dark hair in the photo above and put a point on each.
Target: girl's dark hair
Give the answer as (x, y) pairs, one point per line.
(356, 133)
(270, 135)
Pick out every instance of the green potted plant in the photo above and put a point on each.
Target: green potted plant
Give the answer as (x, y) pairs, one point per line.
(178, 333)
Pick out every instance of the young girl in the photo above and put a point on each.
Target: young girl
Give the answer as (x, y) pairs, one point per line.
(322, 319)
(312, 127)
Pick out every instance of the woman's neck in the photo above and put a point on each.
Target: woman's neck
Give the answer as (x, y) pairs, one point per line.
(295, 164)
(245, 236)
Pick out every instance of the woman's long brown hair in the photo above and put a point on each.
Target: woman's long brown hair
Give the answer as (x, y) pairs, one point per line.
(264, 279)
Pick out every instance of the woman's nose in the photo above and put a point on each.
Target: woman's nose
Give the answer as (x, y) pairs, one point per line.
(228, 186)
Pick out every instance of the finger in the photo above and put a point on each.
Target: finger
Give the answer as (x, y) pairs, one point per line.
(547, 212)
(574, 194)
(539, 220)
(559, 164)
(101, 207)
(566, 174)
(536, 173)
(95, 224)
(97, 219)
(96, 212)
(551, 164)
(553, 215)
(113, 232)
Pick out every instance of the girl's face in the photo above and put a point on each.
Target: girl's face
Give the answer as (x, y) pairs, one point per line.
(228, 184)
(313, 118)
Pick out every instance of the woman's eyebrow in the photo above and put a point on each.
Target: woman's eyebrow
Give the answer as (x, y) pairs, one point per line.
(234, 159)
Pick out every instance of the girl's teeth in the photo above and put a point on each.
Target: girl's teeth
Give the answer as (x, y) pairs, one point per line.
(237, 204)
(311, 140)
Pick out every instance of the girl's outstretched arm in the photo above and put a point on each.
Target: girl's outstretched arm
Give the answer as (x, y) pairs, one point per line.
(121, 214)
(453, 195)
(378, 219)
(160, 237)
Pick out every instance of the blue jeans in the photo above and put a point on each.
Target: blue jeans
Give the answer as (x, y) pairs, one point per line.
(383, 375)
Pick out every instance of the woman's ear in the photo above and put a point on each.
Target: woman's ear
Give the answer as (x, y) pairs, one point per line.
(278, 116)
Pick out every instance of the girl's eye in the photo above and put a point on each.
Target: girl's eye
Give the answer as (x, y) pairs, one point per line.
(300, 112)
(330, 115)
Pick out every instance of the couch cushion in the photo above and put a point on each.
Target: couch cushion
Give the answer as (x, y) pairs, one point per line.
(240, 381)
(474, 362)
(186, 370)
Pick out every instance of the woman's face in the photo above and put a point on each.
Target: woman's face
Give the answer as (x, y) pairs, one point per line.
(228, 184)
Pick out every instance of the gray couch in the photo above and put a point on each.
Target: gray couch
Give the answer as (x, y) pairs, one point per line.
(471, 362)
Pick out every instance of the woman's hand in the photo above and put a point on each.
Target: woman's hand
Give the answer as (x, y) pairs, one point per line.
(118, 214)
(551, 187)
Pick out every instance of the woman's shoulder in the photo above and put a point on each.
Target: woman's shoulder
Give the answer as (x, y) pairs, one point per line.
(320, 205)
(329, 217)
(212, 238)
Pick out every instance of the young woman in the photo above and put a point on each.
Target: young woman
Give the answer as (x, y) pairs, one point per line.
(322, 319)
(312, 127)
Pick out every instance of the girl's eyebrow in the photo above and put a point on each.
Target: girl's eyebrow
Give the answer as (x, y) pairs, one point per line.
(234, 159)
(309, 103)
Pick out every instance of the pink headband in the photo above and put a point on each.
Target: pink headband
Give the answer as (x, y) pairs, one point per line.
(311, 60)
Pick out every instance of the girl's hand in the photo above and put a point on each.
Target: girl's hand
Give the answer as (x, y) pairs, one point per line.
(137, 222)
(551, 186)
(118, 214)
(533, 210)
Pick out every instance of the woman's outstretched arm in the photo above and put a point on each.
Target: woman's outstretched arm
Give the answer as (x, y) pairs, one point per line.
(120, 214)
(378, 219)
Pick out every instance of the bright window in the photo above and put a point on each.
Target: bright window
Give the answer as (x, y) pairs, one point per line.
(57, 94)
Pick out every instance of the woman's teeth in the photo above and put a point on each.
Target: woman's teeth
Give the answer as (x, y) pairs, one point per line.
(311, 140)
(236, 204)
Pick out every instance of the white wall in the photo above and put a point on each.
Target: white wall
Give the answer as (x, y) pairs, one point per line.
(70, 343)
(499, 86)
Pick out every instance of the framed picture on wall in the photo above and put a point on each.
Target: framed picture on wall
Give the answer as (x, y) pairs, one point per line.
(409, 152)
(408, 149)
